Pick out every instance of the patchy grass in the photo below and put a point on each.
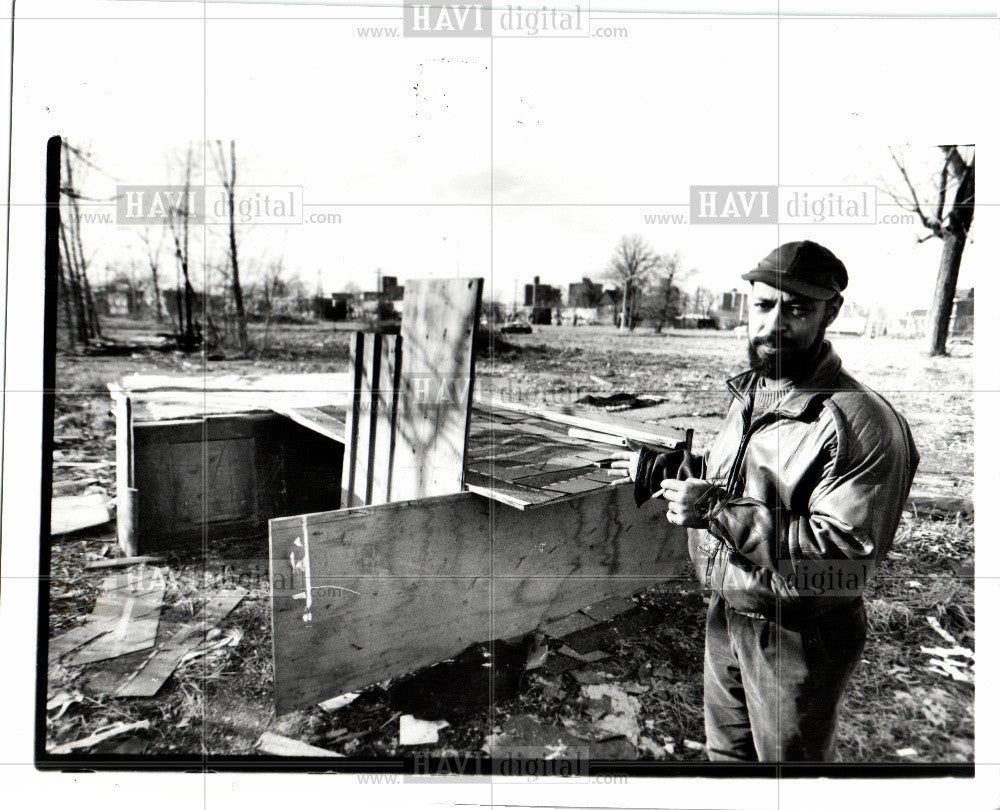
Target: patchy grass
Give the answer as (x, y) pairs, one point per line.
(220, 702)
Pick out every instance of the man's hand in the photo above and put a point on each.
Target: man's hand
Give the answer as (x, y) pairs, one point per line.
(688, 501)
(626, 464)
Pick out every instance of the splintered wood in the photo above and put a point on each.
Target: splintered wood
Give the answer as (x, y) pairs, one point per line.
(366, 594)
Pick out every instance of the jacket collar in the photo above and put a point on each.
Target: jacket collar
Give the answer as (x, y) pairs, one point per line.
(819, 383)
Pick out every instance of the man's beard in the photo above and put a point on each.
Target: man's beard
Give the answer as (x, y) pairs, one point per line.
(791, 362)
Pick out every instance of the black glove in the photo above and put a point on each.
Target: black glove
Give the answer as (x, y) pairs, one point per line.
(656, 464)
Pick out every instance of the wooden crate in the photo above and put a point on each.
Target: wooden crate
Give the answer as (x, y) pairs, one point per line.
(181, 481)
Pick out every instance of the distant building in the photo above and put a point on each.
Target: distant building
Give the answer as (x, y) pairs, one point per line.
(609, 306)
(392, 288)
(962, 320)
(855, 319)
(537, 294)
(730, 310)
(584, 294)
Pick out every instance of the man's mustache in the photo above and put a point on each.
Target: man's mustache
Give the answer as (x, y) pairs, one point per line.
(772, 343)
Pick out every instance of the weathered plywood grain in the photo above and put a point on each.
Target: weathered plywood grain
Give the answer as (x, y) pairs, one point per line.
(365, 594)
(436, 377)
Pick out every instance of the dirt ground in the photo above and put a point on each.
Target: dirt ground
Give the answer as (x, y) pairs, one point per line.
(898, 707)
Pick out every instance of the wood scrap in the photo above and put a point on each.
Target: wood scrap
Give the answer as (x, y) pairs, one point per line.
(114, 730)
(124, 620)
(575, 486)
(587, 658)
(275, 744)
(73, 513)
(314, 419)
(555, 476)
(414, 731)
(124, 562)
(72, 487)
(594, 436)
(568, 624)
(508, 492)
(154, 671)
(608, 608)
(338, 702)
(630, 429)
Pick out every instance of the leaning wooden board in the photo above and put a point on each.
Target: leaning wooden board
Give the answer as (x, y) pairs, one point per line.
(361, 595)
(435, 379)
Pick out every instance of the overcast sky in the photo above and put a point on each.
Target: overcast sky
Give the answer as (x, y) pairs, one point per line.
(505, 159)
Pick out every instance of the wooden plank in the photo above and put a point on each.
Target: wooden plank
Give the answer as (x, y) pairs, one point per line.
(367, 419)
(129, 612)
(629, 429)
(372, 420)
(73, 513)
(353, 426)
(385, 402)
(608, 608)
(508, 492)
(436, 381)
(361, 595)
(154, 671)
(594, 436)
(561, 628)
(275, 744)
(124, 473)
(544, 479)
(123, 562)
(314, 419)
(577, 485)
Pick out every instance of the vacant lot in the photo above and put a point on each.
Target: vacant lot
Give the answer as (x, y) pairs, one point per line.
(220, 702)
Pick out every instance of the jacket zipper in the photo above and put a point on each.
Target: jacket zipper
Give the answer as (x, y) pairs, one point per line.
(749, 428)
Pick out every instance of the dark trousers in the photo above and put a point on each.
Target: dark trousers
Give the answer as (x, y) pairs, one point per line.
(772, 688)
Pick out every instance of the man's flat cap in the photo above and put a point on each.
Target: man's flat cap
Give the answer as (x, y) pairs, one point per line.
(804, 268)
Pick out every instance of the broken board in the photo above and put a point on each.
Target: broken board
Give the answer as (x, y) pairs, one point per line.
(154, 671)
(365, 594)
(124, 620)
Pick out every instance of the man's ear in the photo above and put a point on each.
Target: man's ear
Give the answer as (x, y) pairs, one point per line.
(832, 309)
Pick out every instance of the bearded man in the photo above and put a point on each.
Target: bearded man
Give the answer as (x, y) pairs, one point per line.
(789, 514)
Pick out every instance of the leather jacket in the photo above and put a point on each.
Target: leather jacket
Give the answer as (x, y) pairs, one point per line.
(809, 497)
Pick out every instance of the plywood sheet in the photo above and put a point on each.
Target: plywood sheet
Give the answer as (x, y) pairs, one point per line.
(438, 326)
(370, 593)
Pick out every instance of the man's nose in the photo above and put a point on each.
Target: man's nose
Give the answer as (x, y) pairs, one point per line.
(773, 324)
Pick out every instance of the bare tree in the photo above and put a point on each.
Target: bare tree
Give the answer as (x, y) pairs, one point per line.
(632, 266)
(227, 175)
(272, 284)
(153, 248)
(178, 220)
(664, 300)
(957, 173)
(74, 259)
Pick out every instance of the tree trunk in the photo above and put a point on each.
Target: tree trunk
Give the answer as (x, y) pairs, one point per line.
(76, 294)
(241, 313)
(157, 303)
(953, 237)
(939, 318)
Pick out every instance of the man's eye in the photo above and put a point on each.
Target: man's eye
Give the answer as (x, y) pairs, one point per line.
(801, 312)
